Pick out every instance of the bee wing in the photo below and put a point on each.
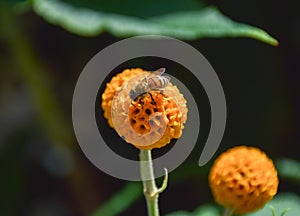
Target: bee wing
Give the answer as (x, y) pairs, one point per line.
(159, 71)
(169, 78)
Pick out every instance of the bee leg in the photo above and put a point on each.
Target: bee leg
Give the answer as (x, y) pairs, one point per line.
(141, 102)
(162, 92)
(153, 101)
(133, 104)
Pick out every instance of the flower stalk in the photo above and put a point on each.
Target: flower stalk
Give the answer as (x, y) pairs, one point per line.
(151, 192)
(228, 212)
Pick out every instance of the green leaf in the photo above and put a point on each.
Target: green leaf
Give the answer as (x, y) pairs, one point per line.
(204, 210)
(180, 213)
(120, 202)
(273, 210)
(288, 168)
(187, 20)
(207, 210)
(287, 204)
(285, 211)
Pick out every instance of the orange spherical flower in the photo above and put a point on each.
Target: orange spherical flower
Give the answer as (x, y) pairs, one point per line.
(149, 121)
(243, 179)
(111, 88)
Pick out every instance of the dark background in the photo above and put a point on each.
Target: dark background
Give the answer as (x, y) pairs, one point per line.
(44, 172)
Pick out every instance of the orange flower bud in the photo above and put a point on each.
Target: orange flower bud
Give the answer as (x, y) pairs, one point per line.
(243, 179)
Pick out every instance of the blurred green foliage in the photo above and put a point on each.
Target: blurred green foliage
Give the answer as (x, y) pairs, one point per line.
(281, 203)
(287, 204)
(189, 20)
(121, 201)
(289, 169)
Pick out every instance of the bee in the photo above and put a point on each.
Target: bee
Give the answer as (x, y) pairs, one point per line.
(155, 81)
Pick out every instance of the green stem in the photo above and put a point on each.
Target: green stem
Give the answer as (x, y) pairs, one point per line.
(227, 212)
(150, 190)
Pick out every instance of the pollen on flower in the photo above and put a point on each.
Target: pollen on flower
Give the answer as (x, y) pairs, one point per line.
(165, 122)
(243, 179)
(149, 121)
